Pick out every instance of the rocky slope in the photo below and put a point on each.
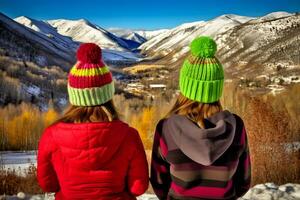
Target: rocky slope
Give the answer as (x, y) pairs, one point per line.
(261, 52)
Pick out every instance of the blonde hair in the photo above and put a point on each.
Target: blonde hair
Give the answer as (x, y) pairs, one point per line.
(80, 114)
(195, 111)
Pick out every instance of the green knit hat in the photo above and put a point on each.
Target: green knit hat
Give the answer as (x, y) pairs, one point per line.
(201, 76)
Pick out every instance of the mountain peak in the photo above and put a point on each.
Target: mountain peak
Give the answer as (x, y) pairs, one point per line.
(24, 19)
(85, 21)
(233, 17)
(275, 15)
(190, 24)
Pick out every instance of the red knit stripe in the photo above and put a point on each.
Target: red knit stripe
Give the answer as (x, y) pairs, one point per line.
(201, 191)
(163, 147)
(89, 65)
(89, 81)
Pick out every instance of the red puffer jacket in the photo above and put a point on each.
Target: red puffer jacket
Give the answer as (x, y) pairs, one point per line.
(100, 160)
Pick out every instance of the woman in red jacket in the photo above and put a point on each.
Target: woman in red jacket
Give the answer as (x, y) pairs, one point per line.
(89, 153)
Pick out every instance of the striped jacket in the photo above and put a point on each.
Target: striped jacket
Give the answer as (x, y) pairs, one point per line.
(193, 163)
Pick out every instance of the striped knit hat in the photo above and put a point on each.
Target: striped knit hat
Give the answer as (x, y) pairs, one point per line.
(201, 76)
(90, 81)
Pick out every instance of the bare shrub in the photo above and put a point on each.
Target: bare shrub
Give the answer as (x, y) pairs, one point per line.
(12, 182)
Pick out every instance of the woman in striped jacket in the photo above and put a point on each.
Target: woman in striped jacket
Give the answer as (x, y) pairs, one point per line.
(200, 151)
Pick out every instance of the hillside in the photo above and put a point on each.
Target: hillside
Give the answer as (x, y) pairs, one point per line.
(262, 52)
(22, 43)
(178, 38)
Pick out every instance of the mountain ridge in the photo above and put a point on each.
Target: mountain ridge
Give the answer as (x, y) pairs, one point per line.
(258, 51)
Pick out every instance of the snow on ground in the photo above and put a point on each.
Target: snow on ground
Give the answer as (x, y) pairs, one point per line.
(63, 101)
(51, 197)
(267, 191)
(17, 160)
(20, 160)
(31, 89)
(292, 147)
(270, 191)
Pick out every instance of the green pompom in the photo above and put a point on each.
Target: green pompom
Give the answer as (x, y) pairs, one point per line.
(204, 47)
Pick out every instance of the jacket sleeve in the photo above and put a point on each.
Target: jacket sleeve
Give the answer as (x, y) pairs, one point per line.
(138, 175)
(160, 169)
(46, 174)
(242, 177)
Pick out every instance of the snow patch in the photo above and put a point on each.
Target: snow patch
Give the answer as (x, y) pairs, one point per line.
(31, 89)
(19, 161)
(292, 147)
(267, 191)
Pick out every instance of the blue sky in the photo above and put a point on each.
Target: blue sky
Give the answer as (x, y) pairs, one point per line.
(142, 14)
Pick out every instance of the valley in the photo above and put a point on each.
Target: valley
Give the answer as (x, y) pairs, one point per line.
(261, 54)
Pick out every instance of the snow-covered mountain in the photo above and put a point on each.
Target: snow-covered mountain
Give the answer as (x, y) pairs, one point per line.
(265, 47)
(147, 34)
(178, 38)
(260, 46)
(84, 31)
(128, 34)
(131, 37)
(22, 43)
(272, 16)
(135, 37)
(70, 33)
(262, 51)
(150, 34)
(46, 29)
(120, 32)
(239, 38)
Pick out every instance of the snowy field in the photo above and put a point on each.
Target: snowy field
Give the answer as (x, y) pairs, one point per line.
(22, 160)
(17, 160)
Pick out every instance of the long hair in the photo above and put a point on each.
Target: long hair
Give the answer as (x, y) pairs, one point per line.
(79, 114)
(195, 111)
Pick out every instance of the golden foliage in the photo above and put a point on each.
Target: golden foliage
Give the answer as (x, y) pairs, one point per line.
(22, 125)
(144, 123)
(271, 122)
(50, 116)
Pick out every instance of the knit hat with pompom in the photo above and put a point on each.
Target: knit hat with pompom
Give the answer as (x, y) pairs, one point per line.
(90, 82)
(201, 76)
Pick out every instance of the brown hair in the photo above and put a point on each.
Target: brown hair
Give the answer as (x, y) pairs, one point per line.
(195, 111)
(79, 114)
